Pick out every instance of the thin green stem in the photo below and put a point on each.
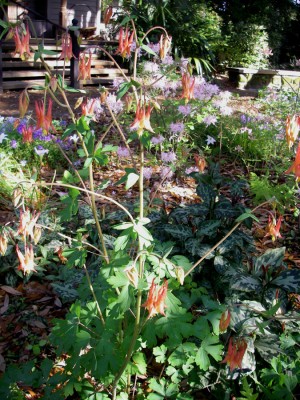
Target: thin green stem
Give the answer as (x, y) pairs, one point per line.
(93, 294)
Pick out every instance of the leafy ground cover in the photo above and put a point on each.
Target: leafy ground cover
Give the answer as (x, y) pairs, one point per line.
(151, 248)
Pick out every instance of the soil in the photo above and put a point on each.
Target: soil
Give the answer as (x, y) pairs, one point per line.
(9, 99)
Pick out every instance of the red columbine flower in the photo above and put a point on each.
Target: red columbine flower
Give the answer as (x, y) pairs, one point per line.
(27, 132)
(27, 223)
(292, 129)
(84, 67)
(295, 167)
(22, 43)
(44, 120)
(188, 84)
(125, 43)
(66, 47)
(224, 321)
(200, 162)
(273, 227)
(88, 107)
(164, 45)
(155, 302)
(235, 353)
(142, 119)
(26, 260)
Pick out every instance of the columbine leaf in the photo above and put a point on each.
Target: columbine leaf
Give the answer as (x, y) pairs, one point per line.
(209, 347)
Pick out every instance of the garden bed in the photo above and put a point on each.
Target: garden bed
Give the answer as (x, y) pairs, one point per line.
(252, 78)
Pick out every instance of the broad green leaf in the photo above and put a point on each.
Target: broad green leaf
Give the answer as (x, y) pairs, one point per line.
(209, 228)
(210, 346)
(179, 232)
(132, 179)
(160, 353)
(246, 215)
(139, 360)
(288, 280)
(148, 49)
(247, 283)
(272, 257)
(123, 89)
(118, 280)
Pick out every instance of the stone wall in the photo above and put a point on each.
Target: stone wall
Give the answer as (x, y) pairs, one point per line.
(249, 78)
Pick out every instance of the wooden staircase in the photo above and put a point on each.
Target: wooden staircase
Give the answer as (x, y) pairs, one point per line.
(18, 74)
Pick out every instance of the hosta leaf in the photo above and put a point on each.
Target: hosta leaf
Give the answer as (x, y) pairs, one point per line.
(247, 283)
(288, 280)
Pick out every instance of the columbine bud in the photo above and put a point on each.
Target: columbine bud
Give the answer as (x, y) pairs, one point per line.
(3, 244)
(53, 83)
(17, 197)
(132, 275)
(23, 103)
(180, 275)
(128, 101)
(103, 95)
(224, 321)
(37, 234)
(107, 15)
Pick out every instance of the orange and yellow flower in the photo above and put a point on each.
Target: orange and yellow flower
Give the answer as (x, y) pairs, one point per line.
(155, 303)
(273, 228)
(22, 42)
(107, 15)
(224, 321)
(292, 129)
(188, 84)
(27, 264)
(164, 45)
(295, 167)
(23, 103)
(44, 120)
(84, 67)
(142, 119)
(125, 43)
(66, 47)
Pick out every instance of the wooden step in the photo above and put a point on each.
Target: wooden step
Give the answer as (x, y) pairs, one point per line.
(39, 73)
(11, 64)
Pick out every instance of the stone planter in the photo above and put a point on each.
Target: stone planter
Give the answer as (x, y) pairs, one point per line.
(251, 78)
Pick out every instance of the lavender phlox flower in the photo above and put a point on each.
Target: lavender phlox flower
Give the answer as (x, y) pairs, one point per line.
(204, 91)
(210, 140)
(123, 152)
(147, 173)
(157, 139)
(154, 47)
(23, 163)
(168, 157)
(224, 95)
(150, 67)
(244, 119)
(160, 82)
(247, 130)
(167, 60)
(77, 163)
(176, 127)
(41, 151)
(185, 110)
(117, 82)
(115, 105)
(38, 135)
(226, 110)
(210, 120)
(13, 144)
(166, 173)
(191, 169)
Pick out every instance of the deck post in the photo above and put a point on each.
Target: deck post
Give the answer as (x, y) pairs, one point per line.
(1, 69)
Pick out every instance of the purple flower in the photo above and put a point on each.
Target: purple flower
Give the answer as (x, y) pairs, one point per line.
(13, 144)
(166, 173)
(185, 110)
(210, 140)
(210, 120)
(123, 152)
(147, 172)
(20, 127)
(115, 105)
(157, 139)
(177, 127)
(168, 60)
(168, 157)
(191, 169)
